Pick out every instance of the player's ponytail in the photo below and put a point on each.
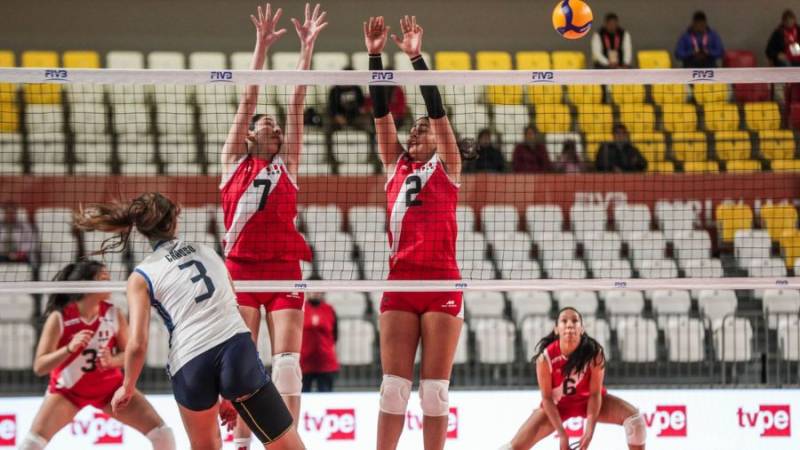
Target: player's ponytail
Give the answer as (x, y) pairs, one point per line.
(84, 270)
(542, 345)
(152, 214)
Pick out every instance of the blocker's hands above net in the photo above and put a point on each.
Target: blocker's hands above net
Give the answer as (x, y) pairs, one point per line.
(375, 33)
(265, 24)
(312, 25)
(411, 43)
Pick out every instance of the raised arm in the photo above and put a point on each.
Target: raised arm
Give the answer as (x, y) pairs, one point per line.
(308, 31)
(375, 33)
(136, 348)
(447, 144)
(266, 35)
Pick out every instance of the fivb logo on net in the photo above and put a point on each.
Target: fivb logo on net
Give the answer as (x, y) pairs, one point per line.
(382, 76)
(703, 75)
(56, 75)
(221, 76)
(546, 76)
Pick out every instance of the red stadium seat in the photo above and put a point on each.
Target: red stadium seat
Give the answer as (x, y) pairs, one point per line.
(794, 115)
(739, 58)
(746, 92)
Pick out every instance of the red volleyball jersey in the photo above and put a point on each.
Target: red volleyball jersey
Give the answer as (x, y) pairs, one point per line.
(421, 208)
(259, 201)
(568, 389)
(81, 374)
(318, 353)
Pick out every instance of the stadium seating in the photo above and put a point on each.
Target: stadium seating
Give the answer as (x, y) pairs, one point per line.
(356, 343)
(453, 61)
(669, 94)
(637, 339)
(533, 60)
(690, 146)
(778, 218)
(533, 328)
(529, 303)
(17, 342)
(721, 117)
(321, 218)
(494, 339)
(584, 94)
(584, 301)
(623, 94)
(751, 244)
(705, 94)
(595, 118)
(347, 304)
(685, 339)
(762, 116)
(781, 306)
(669, 303)
(777, 144)
(716, 304)
(499, 219)
(638, 118)
(553, 118)
(656, 268)
(654, 59)
(731, 218)
(484, 304)
(568, 60)
(786, 165)
(732, 340)
(679, 117)
(789, 339)
(624, 302)
(732, 146)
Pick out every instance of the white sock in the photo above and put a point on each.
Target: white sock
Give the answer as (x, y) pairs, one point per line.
(32, 441)
(241, 443)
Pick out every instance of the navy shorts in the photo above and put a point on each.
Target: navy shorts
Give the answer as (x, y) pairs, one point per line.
(231, 369)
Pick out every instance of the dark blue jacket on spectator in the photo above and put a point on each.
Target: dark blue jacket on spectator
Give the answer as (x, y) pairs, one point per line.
(709, 41)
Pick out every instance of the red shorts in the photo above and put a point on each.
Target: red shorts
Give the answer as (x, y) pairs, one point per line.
(569, 409)
(267, 270)
(80, 401)
(421, 302)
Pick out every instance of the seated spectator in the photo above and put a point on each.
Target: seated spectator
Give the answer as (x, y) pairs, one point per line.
(783, 48)
(569, 161)
(620, 155)
(490, 158)
(318, 352)
(347, 107)
(699, 46)
(17, 237)
(530, 155)
(611, 46)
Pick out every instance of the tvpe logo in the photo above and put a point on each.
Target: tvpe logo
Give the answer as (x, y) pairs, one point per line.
(224, 76)
(334, 424)
(543, 77)
(101, 429)
(667, 420)
(769, 420)
(56, 75)
(414, 422)
(574, 427)
(382, 77)
(702, 75)
(8, 430)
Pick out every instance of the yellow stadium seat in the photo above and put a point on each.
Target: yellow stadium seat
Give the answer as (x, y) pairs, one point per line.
(81, 59)
(669, 94)
(776, 144)
(553, 118)
(790, 246)
(593, 142)
(533, 61)
(41, 93)
(701, 167)
(732, 218)
(778, 219)
(786, 165)
(651, 145)
(762, 116)
(660, 167)
(711, 93)
(453, 61)
(721, 117)
(679, 117)
(584, 94)
(493, 61)
(637, 117)
(627, 93)
(9, 117)
(568, 60)
(539, 94)
(8, 91)
(690, 146)
(595, 118)
(733, 145)
(654, 59)
(743, 166)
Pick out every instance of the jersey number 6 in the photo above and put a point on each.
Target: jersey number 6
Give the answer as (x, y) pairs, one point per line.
(569, 387)
(201, 276)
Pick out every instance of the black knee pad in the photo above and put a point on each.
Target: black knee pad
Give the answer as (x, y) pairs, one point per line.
(265, 413)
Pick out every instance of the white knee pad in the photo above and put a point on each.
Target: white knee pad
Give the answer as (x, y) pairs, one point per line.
(433, 395)
(395, 392)
(162, 438)
(32, 441)
(635, 429)
(286, 373)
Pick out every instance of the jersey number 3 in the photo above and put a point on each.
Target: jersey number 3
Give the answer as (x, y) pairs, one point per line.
(201, 276)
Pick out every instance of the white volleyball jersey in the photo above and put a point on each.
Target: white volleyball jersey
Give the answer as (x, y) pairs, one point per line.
(190, 289)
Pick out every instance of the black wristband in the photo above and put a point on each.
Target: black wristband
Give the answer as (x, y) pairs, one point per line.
(433, 100)
(375, 62)
(418, 63)
(379, 94)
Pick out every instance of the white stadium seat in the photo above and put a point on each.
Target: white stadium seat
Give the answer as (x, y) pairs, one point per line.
(356, 169)
(685, 339)
(10, 148)
(555, 245)
(356, 342)
(656, 268)
(612, 268)
(671, 303)
(583, 301)
(17, 341)
(643, 245)
(351, 146)
(703, 268)
(716, 304)
(166, 60)
(781, 306)
(510, 245)
(366, 219)
(402, 62)
(470, 246)
(241, 60)
(322, 218)
(632, 217)
(499, 218)
(789, 340)
(585, 218)
(555, 144)
(465, 217)
(284, 60)
(494, 339)
(56, 238)
(691, 245)
(330, 61)
(332, 246)
(533, 329)
(510, 121)
(767, 267)
(529, 303)
(637, 339)
(338, 270)
(207, 61)
(602, 245)
(752, 244)
(468, 118)
(45, 123)
(600, 331)
(624, 302)
(484, 303)
(462, 350)
(544, 218)
(675, 217)
(732, 339)
(347, 304)
(565, 269)
(477, 269)
(16, 306)
(522, 269)
(97, 150)
(360, 60)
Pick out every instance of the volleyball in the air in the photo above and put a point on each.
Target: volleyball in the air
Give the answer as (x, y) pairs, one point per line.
(572, 18)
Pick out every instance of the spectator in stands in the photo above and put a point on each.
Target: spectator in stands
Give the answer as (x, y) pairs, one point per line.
(347, 107)
(611, 46)
(318, 355)
(490, 158)
(17, 237)
(569, 161)
(530, 155)
(783, 48)
(699, 46)
(620, 155)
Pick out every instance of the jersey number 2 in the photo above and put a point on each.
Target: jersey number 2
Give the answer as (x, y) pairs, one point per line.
(201, 276)
(414, 184)
(267, 185)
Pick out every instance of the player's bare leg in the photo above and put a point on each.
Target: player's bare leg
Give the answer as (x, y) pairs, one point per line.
(202, 428)
(617, 411)
(286, 336)
(55, 413)
(399, 338)
(142, 417)
(252, 319)
(440, 333)
(535, 428)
